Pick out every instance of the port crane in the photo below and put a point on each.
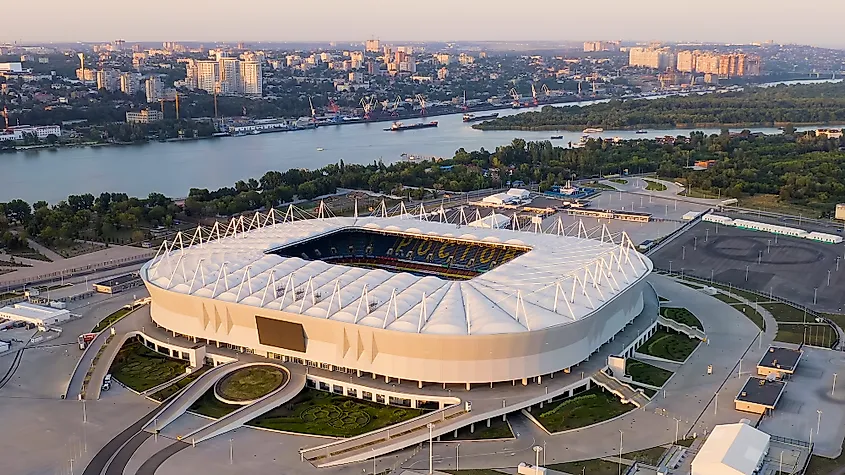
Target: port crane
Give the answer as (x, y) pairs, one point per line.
(547, 91)
(516, 97)
(6, 116)
(368, 103)
(421, 100)
(176, 100)
(395, 110)
(333, 106)
(534, 94)
(464, 106)
(313, 112)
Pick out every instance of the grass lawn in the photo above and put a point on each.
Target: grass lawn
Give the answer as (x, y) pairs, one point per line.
(599, 186)
(28, 253)
(586, 408)
(694, 286)
(209, 405)
(750, 312)
(251, 383)
(76, 248)
(646, 373)
(836, 318)
(593, 467)
(785, 313)
(104, 323)
(815, 335)
(178, 385)
(654, 186)
(621, 181)
(141, 368)
(685, 442)
(323, 413)
(725, 298)
(498, 429)
(682, 315)
(768, 202)
(671, 346)
(647, 456)
(10, 295)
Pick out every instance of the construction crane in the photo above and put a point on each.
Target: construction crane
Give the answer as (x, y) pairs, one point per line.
(547, 91)
(516, 97)
(464, 106)
(534, 94)
(6, 116)
(579, 87)
(368, 103)
(421, 100)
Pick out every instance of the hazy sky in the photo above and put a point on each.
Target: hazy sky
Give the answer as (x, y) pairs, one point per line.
(784, 21)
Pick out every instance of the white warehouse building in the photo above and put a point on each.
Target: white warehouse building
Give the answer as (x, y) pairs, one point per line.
(732, 449)
(34, 314)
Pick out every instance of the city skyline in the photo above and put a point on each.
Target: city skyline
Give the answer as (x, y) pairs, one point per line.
(467, 21)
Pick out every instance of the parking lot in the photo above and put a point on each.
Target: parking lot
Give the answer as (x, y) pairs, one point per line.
(796, 269)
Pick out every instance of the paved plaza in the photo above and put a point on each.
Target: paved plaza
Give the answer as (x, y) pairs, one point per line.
(792, 268)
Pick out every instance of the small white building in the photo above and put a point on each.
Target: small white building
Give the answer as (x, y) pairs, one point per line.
(732, 449)
(34, 314)
(499, 199)
(691, 215)
(519, 193)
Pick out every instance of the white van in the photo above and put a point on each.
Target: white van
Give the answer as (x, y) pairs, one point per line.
(107, 382)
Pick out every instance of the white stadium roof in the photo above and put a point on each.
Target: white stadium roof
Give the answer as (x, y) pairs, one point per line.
(560, 280)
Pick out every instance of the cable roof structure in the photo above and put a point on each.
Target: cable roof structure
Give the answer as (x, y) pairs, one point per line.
(564, 276)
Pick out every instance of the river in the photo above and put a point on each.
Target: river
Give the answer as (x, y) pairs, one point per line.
(173, 168)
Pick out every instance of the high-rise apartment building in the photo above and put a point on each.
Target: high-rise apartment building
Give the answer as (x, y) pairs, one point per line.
(250, 77)
(191, 73)
(595, 46)
(230, 75)
(108, 79)
(372, 46)
(443, 58)
(650, 58)
(738, 65)
(208, 74)
(129, 83)
(707, 63)
(687, 61)
(154, 88)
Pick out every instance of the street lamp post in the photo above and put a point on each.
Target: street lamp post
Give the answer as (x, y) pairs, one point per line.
(815, 294)
(746, 273)
(231, 451)
(457, 457)
(537, 450)
(430, 449)
(833, 391)
(819, 423)
(620, 451)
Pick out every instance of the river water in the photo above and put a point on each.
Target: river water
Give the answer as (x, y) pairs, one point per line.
(173, 168)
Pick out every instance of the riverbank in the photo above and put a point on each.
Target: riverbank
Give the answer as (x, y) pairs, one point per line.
(679, 126)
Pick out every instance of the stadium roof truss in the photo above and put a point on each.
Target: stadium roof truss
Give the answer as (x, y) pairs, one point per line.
(567, 274)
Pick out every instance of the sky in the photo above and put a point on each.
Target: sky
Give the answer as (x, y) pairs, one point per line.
(734, 21)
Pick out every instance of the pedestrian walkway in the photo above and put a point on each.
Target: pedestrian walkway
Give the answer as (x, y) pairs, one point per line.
(293, 386)
(625, 392)
(682, 328)
(47, 252)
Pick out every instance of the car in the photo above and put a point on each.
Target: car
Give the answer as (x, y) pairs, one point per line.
(107, 382)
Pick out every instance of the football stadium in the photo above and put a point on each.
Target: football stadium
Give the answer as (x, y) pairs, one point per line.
(400, 297)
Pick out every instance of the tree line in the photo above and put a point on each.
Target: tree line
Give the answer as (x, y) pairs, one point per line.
(796, 104)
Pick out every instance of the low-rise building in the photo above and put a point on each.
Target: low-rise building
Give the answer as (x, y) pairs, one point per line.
(34, 314)
(759, 396)
(113, 285)
(829, 133)
(779, 361)
(18, 132)
(732, 449)
(145, 116)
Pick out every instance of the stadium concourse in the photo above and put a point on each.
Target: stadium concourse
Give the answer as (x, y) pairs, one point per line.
(400, 297)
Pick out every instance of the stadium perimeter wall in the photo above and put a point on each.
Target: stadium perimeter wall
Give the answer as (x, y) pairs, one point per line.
(409, 356)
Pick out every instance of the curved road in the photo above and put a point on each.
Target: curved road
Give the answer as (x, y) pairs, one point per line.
(152, 464)
(114, 446)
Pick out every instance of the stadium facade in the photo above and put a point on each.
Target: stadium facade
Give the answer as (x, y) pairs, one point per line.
(400, 298)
